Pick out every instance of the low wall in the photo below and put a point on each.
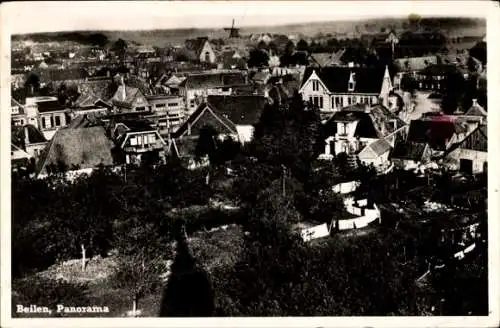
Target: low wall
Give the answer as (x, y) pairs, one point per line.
(346, 187)
(315, 232)
(366, 216)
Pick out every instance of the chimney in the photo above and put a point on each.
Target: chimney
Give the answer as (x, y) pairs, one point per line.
(474, 102)
(26, 136)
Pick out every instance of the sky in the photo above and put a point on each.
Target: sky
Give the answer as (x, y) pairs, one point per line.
(32, 17)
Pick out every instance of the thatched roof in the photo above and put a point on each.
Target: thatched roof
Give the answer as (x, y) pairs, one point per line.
(80, 147)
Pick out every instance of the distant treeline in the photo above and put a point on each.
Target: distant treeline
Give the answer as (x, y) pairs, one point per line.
(87, 38)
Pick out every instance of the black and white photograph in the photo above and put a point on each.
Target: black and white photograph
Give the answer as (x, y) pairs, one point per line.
(183, 159)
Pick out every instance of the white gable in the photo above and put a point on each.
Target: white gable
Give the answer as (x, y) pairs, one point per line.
(308, 83)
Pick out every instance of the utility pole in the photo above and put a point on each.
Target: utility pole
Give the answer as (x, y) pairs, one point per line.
(284, 172)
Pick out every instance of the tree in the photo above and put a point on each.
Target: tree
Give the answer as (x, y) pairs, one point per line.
(454, 89)
(142, 258)
(302, 45)
(479, 52)
(289, 47)
(32, 83)
(98, 39)
(208, 145)
(288, 135)
(258, 58)
(408, 83)
(120, 48)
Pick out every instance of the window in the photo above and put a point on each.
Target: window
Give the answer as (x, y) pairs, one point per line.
(151, 139)
(318, 101)
(338, 102)
(52, 121)
(140, 108)
(351, 86)
(160, 105)
(311, 100)
(58, 120)
(207, 56)
(133, 141)
(349, 101)
(315, 84)
(173, 104)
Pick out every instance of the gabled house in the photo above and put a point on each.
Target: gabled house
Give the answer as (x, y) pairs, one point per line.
(439, 132)
(206, 115)
(201, 49)
(136, 140)
(185, 139)
(471, 154)
(95, 90)
(242, 111)
(408, 154)
(198, 86)
(477, 110)
(354, 128)
(129, 99)
(76, 149)
(428, 138)
(332, 88)
(231, 59)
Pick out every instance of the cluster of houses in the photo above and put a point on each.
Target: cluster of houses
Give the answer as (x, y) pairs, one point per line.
(130, 115)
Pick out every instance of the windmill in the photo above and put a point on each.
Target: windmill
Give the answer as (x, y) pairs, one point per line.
(233, 31)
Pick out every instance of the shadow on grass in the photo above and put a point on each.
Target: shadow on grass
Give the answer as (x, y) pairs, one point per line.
(188, 292)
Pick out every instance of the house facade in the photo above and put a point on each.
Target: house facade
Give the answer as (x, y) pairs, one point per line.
(243, 111)
(136, 140)
(332, 88)
(167, 111)
(51, 115)
(196, 87)
(434, 77)
(353, 129)
(129, 99)
(202, 50)
(471, 154)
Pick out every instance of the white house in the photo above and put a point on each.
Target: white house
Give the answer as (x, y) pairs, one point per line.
(356, 127)
(332, 88)
(471, 154)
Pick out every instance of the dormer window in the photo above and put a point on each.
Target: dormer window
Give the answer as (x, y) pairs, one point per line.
(352, 82)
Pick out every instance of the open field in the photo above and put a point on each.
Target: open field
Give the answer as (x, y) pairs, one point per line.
(338, 29)
(211, 249)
